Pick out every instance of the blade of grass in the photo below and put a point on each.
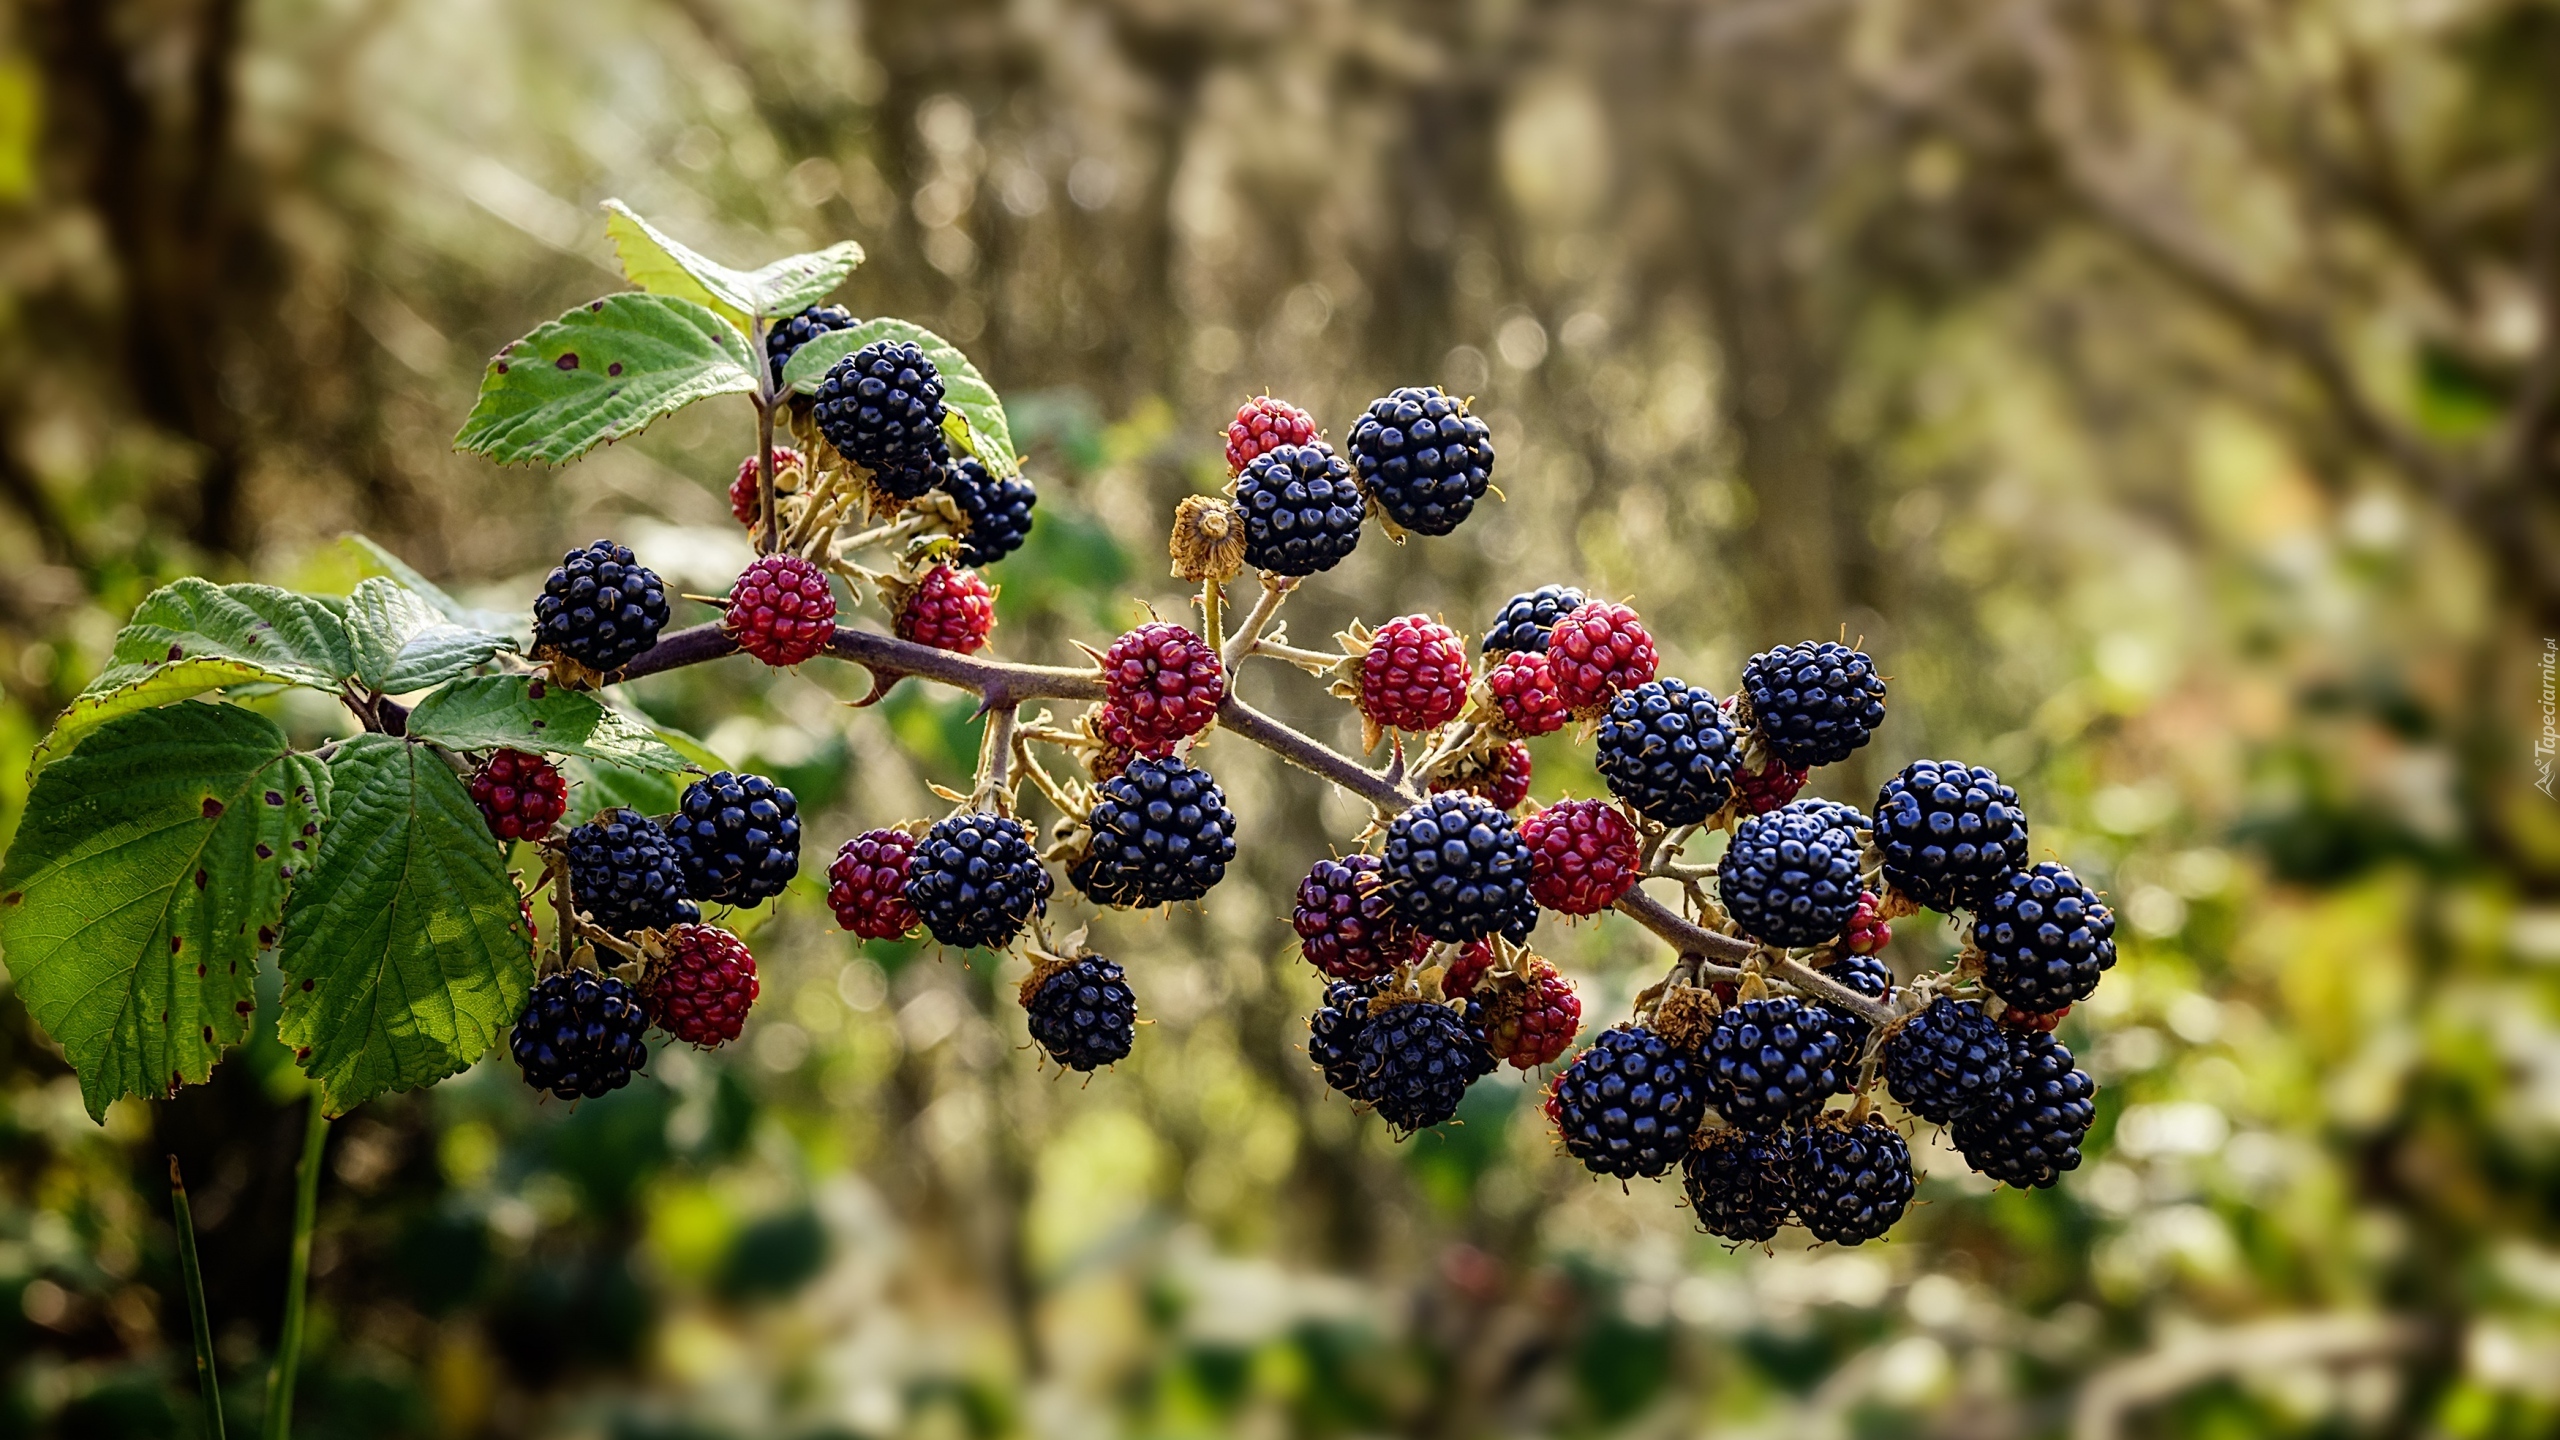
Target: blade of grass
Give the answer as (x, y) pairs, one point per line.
(306, 1209)
(208, 1388)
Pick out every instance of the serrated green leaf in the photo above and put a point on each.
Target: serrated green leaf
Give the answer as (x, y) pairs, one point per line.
(147, 876)
(487, 712)
(405, 955)
(795, 282)
(659, 263)
(378, 560)
(603, 372)
(598, 786)
(404, 643)
(191, 636)
(965, 392)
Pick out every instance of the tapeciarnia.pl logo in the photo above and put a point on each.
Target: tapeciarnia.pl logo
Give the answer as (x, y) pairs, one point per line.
(2548, 743)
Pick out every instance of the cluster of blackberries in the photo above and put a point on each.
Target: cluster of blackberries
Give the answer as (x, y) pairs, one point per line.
(734, 840)
(1415, 455)
(1409, 1058)
(583, 1034)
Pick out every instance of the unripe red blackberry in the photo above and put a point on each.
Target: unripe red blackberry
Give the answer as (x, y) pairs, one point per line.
(1741, 1184)
(744, 490)
(2029, 1131)
(1472, 962)
(581, 1035)
(521, 796)
(1665, 750)
(1415, 675)
(1523, 690)
(1501, 776)
(1165, 680)
(1946, 1060)
(781, 611)
(1416, 1061)
(975, 880)
(1263, 424)
(1947, 831)
(1527, 619)
(1347, 923)
(1771, 1061)
(1790, 877)
(1116, 745)
(1536, 1026)
(1083, 1013)
(1852, 1177)
(1629, 1104)
(1767, 788)
(2045, 1020)
(866, 886)
(1598, 649)
(1458, 870)
(1583, 855)
(699, 991)
(1423, 457)
(1162, 834)
(1868, 933)
(1302, 510)
(881, 408)
(2045, 938)
(1815, 703)
(948, 609)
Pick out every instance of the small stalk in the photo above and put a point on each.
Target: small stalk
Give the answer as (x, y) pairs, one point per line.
(297, 1279)
(208, 1386)
(1213, 617)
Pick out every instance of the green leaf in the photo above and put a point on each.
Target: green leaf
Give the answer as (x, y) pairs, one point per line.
(491, 711)
(602, 372)
(404, 643)
(663, 265)
(192, 636)
(377, 560)
(965, 392)
(146, 878)
(405, 954)
(598, 786)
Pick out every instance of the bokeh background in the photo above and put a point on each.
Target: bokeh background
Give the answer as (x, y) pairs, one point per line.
(2165, 390)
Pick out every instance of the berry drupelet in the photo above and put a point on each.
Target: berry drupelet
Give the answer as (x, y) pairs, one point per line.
(1852, 1178)
(1527, 619)
(1947, 1059)
(866, 885)
(1415, 675)
(996, 514)
(1665, 749)
(521, 796)
(1740, 1184)
(1790, 877)
(1165, 681)
(781, 611)
(627, 875)
(881, 408)
(1458, 870)
(738, 837)
(2045, 938)
(580, 1035)
(1815, 703)
(1347, 923)
(600, 608)
(1629, 1104)
(975, 880)
(700, 990)
(1162, 834)
(1947, 830)
(1082, 1013)
(1583, 855)
(1423, 457)
(1302, 510)
(1771, 1061)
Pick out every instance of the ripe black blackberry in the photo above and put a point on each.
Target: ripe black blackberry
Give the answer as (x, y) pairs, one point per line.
(1665, 749)
(1790, 877)
(1946, 1060)
(738, 836)
(1162, 834)
(2029, 1131)
(1771, 1061)
(1868, 976)
(881, 407)
(1815, 703)
(998, 511)
(627, 875)
(1417, 1060)
(580, 1035)
(600, 608)
(1741, 1184)
(1628, 1104)
(1302, 509)
(1852, 1177)
(2045, 938)
(1083, 1013)
(1459, 870)
(1527, 619)
(1423, 457)
(975, 880)
(1947, 830)
(788, 335)
(1333, 1034)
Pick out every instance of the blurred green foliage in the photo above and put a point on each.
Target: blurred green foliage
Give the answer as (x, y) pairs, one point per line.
(2164, 390)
